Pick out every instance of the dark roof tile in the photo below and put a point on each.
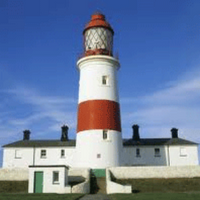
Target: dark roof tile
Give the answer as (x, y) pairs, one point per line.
(157, 141)
(42, 143)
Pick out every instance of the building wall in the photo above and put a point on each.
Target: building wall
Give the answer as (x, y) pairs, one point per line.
(95, 152)
(17, 157)
(53, 156)
(147, 156)
(10, 174)
(183, 155)
(155, 172)
(176, 155)
(31, 156)
(91, 71)
(48, 186)
(169, 155)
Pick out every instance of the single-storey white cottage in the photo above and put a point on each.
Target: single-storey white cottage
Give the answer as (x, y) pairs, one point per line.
(136, 151)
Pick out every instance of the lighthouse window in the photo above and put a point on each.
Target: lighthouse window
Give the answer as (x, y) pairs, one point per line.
(105, 134)
(104, 80)
(99, 155)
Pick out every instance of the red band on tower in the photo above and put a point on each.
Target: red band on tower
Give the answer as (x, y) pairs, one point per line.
(98, 114)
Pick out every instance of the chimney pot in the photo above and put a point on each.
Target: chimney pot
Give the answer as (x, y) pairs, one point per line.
(174, 132)
(26, 134)
(136, 135)
(64, 134)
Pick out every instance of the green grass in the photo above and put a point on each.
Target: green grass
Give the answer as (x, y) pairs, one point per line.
(40, 196)
(13, 187)
(156, 196)
(163, 185)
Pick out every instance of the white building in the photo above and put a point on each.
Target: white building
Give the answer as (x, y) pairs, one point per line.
(136, 151)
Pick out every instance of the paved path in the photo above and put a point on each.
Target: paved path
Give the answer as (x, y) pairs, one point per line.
(95, 197)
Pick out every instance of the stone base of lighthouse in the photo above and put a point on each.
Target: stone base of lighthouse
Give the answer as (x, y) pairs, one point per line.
(94, 151)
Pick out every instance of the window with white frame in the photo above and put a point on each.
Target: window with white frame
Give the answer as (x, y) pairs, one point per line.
(183, 151)
(138, 152)
(157, 152)
(105, 134)
(43, 153)
(55, 177)
(62, 153)
(18, 154)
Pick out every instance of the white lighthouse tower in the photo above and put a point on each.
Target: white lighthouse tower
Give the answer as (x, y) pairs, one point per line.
(99, 139)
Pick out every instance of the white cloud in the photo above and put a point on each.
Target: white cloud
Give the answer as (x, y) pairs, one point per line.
(177, 105)
(31, 109)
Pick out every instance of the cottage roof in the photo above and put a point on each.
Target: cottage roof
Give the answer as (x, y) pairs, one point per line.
(42, 143)
(157, 141)
(126, 142)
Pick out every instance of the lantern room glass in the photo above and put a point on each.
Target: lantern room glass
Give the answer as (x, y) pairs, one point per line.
(99, 38)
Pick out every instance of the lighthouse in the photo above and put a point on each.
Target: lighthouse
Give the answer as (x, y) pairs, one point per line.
(99, 138)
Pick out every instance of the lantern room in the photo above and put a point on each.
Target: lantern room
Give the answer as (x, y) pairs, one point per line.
(98, 36)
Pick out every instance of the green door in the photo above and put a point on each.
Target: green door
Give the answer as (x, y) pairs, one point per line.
(38, 185)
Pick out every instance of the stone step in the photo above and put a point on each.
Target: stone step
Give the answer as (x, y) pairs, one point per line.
(98, 185)
(101, 183)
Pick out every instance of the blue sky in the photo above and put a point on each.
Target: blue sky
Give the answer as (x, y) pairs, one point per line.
(159, 80)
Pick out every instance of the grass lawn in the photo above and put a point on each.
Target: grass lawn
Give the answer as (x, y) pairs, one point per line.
(156, 196)
(40, 196)
(13, 187)
(163, 185)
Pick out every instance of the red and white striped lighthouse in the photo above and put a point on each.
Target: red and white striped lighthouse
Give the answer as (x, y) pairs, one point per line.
(99, 140)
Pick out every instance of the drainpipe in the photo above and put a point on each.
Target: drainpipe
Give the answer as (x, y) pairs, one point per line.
(33, 155)
(168, 155)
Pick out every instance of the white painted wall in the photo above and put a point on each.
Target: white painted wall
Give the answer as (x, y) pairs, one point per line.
(91, 143)
(75, 174)
(54, 156)
(13, 174)
(11, 161)
(48, 185)
(31, 156)
(147, 156)
(169, 156)
(155, 172)
(112, 187)
(190, 157)
(92, 68)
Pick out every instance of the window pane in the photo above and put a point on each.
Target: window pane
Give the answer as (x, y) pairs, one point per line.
(18, 153)
(104, 80)
(98, 155)
(105, 134)
(138, 152)
(183, 151)
(157, 152)
(62, 153)
(43, 153)
(55, 177)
